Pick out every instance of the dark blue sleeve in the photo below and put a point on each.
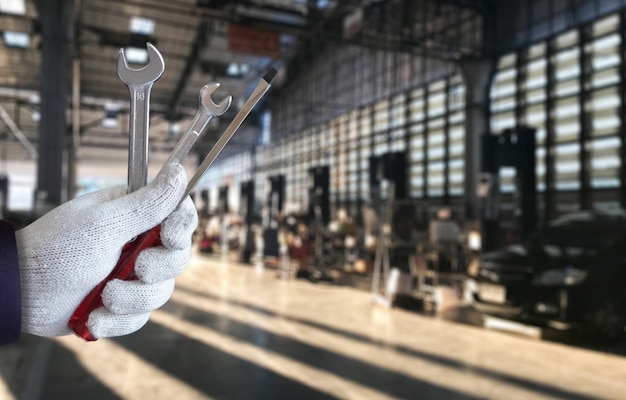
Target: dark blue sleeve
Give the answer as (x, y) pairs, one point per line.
(10, 293)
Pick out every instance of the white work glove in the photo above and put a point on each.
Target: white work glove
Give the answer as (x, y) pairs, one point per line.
(68, 251)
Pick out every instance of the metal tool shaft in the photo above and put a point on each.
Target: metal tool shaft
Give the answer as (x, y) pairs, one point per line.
(138, 136)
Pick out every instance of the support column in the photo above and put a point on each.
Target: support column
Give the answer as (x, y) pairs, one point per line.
(56, 22)
(477, 78)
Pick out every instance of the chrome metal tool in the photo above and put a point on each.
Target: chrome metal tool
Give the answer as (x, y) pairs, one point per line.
(139, 82)
(207, 109)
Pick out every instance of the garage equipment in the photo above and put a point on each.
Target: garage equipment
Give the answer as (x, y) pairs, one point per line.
(514, 148)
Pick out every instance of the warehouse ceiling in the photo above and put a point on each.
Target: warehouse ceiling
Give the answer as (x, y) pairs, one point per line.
(202, 41)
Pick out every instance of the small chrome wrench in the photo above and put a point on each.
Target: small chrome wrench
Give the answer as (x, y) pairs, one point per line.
(207, 109)
(139, 82)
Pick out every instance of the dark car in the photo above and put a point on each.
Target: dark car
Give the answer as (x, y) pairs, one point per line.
(569, 274)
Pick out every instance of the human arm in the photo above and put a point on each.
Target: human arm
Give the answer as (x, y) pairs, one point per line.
(10, 298)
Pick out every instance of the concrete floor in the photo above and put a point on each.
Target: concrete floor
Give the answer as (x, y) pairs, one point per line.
(238, 332)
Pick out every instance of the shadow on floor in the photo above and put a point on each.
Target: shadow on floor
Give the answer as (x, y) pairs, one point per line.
(393, 383)
(210, 370)
(47, 370)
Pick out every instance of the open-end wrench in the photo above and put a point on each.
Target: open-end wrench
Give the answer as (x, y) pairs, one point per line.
(139, 82)
(207, 109)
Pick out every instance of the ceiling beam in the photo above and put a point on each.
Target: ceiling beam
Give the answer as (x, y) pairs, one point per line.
(192, 60)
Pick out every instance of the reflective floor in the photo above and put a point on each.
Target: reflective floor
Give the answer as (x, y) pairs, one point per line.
(238, 332)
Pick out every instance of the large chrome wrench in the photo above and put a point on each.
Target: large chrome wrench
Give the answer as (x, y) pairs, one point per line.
(139, 82)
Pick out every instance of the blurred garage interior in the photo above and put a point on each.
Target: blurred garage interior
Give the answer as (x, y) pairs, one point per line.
(428, 203)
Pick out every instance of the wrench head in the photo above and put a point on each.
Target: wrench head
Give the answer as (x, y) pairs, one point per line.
(142, 76)
(207, 102)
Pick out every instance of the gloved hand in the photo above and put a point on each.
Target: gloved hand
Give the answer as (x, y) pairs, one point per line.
(68, 251)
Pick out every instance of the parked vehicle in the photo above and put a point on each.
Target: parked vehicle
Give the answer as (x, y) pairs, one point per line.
(571, 274)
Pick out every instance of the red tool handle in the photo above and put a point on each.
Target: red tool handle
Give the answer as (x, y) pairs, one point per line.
(124, 269)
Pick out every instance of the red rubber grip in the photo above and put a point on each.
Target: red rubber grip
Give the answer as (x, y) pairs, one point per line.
(124, 270)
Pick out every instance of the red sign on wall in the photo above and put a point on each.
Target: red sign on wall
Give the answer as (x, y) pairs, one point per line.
(243, 39)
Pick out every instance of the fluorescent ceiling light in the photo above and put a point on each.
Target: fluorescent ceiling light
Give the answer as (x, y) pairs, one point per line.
(13, 7)
(141, 25)
(19, 40)
(111, 112)
(237, 70)
(135, 55)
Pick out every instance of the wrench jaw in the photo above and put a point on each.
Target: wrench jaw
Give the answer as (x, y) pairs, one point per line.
(148, 74)
(207, 102)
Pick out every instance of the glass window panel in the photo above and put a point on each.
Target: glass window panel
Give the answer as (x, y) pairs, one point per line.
(456, 150)
(502, 90)
(398, 111)
(457, 164)
(502, 121)
(419, 92)
(456, 118)
(605, 122)
(437, 86)
(536, 114)
(436, 138)
(417, 146)
(536, 81)
(537, 50)
(605, 61)
(536, 95)
(603, 99)
(436, 124)
(567, 108)
(605, 162)
(456, 97)
(606, 25)
(536, 67)
(381, 116)
(507, 60)
(507, 179)
(540, 135)
(435, 168)
(567, 131)
(505, 76)
(567, 39)
(606, 44)
(416, 109)
(436, 104)
(380, 148)
(604, 78)
(571, 149)
(567, 88)
(567, 64)
(456, 133)
(416, 129)
(398, 145)
(436, 153)
(503, 104)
